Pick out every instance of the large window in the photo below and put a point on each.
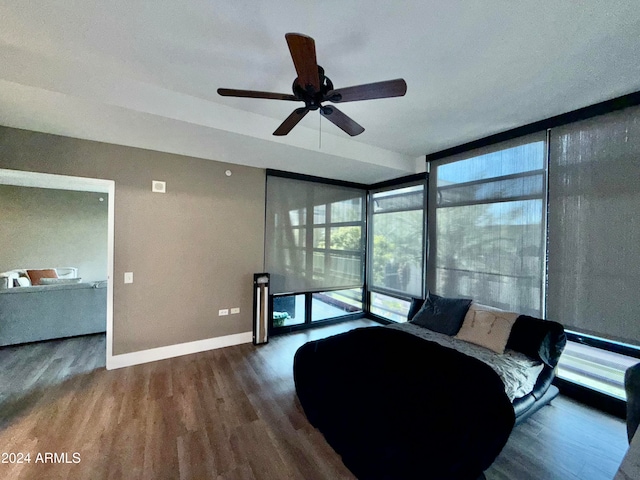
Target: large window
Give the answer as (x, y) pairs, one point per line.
(488, 239)
(487, 211)
(397, 246)
(594, 246)
(595, 368)
(315, 247)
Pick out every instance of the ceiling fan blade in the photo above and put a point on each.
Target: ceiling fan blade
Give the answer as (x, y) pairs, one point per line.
(229, 92)
(303, 54)
(369, 91)
(342, 121)
(291, 121)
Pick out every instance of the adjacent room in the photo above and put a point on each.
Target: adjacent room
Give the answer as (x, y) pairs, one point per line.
(319, 240)
(49, 227)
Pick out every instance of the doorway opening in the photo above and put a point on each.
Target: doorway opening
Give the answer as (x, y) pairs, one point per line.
(78, 184)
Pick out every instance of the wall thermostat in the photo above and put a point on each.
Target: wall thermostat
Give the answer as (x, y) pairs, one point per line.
(158, 186)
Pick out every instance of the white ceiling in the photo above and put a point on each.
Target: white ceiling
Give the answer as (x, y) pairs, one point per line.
(145, 73)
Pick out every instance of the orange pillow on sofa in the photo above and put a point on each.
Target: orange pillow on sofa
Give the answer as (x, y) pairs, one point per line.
(36, 275)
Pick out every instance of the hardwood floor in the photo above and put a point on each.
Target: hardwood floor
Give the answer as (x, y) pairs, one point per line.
(228, 414)
(563, 441)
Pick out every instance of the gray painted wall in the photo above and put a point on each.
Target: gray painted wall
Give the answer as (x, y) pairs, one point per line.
(43, 228)
(193, 250)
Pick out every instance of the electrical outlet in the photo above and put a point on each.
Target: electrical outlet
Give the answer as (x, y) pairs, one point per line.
(128, 277)
(235, 310)
(224, 311)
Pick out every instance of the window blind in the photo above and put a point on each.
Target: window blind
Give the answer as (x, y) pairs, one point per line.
(487, 219)
(594, 226)
(314, 235)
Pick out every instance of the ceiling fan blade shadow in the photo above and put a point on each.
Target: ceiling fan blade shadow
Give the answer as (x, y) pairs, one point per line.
(291, 121)
(342, 121)
(368, 91)
(303, 54)
(229, 92)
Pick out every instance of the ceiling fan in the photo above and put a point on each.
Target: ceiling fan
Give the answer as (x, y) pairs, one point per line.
(314, 88)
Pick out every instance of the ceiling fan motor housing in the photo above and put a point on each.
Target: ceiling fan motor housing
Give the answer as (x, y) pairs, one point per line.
(313, 99)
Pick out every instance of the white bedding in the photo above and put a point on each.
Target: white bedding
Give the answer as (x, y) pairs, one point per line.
(517, 371)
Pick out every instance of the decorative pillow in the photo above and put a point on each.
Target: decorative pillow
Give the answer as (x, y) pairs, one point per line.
(67, 272)
(442, 315)
(59, 281)
(487, 326)
(23, 281)
(539, 339)
(36, 275)
(416, 305)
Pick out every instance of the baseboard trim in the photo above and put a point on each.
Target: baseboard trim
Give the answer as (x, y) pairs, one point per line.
(170, 351)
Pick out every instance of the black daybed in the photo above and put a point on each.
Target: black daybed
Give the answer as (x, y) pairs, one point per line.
(398, 406)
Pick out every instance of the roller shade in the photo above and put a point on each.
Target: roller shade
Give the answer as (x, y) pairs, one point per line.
(487, 219)
(594, 226)
(314, 235)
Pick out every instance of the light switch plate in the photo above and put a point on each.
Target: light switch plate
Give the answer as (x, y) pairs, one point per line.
(224, 311)
(128, 277)
(235, 310)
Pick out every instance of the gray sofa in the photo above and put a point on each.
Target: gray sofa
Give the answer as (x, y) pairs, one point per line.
(30, 314)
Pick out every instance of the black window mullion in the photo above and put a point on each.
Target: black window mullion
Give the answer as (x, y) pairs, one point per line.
(512, 176)
(308, 297)
(309, 236)
(327, 239)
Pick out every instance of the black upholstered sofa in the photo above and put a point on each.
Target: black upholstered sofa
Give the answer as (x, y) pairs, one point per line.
(396, 406)
(539, 339)
(545, 340)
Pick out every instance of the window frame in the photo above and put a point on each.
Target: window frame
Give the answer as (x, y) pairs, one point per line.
(308, 312)
(406, 182)
(306, 229)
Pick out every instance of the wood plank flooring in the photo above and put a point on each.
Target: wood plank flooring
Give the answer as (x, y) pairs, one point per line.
(228, 414)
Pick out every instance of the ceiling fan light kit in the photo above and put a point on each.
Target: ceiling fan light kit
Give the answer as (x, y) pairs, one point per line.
(313, 87)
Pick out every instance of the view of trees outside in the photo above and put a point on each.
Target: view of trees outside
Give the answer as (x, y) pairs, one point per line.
(398, 249)
(344, 238)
